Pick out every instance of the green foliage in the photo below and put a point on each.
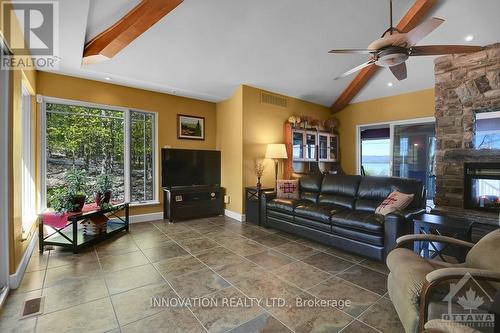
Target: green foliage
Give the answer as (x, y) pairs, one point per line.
(60, 200)
(76, 182)
(104, 183)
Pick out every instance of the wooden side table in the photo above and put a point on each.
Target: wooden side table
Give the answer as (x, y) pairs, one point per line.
(253, 196)
(440, 225)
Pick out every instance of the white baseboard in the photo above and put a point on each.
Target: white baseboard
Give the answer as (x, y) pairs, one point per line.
(234, 215)
(146, 217)
(16, 278)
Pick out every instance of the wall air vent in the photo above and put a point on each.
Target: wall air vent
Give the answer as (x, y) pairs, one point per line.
(273, 99)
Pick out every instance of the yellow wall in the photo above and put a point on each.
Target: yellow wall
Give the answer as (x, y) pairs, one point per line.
(263, 124)
(166, 106)
(17, 241)
(244, 128)
(229, 142)
(406, 106)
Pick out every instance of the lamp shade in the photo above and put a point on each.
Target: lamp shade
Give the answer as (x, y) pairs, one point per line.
(276, 151)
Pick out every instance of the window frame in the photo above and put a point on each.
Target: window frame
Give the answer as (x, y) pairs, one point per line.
(485, 116)
(28, 190)
(126, 154)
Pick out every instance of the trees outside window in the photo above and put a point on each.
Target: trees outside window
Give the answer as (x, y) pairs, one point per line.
(96, 139)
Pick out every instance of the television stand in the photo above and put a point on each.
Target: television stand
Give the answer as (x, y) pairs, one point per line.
(183, 203)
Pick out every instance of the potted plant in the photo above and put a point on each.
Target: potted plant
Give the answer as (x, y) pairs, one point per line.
(76, 184)
(103, 188)
(59, 200)
(259, 171)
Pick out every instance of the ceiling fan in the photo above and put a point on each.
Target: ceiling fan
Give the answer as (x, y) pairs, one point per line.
(395, 47)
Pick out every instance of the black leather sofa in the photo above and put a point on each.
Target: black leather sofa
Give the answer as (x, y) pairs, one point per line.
(339, 210)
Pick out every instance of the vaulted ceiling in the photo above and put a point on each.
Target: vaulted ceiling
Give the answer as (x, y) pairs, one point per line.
(205, 48)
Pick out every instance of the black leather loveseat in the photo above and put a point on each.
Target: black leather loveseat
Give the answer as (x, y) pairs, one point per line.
(339, 210)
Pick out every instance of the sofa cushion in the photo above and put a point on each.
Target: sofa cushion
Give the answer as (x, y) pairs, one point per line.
(339, 190)
(373, 190)
(310, 186)
(362, 236)
(313, 224)
(317, 212)
(363, 221)
(394, 202)
(284, 205)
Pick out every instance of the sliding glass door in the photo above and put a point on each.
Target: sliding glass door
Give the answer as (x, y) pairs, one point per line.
(414, 147)
(400, 149)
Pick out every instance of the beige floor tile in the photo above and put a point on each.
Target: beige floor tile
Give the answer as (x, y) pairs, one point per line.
(137, 303)
(167, 251)
(96, 316)
(366, 278)
(130, 278)
(196, 245)
(328, 263)
(239, 271)
(219, 256)
(309, 318)
(358, 327)
(157, 240)
(121, 245)
(170, 320)
(272, 240)
(117, 262)
(296, 250)
(31, 281)
(199, 283)
(173, 267)
(62, 258)
(383, 317)
(177, 236)
(270, 259)
(224, 316)
(264, 323)
(38, 261)
(245, 247)
(75, 292)
(68, 273)
(338, 289)
(378, 266)
(302, 274)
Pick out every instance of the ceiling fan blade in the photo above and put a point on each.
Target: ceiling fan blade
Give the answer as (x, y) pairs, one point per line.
(355, 69)
(417, 34)
(399, 71)
(359, 51)
(426, 50)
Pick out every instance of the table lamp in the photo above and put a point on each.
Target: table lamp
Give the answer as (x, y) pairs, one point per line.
(276, 152)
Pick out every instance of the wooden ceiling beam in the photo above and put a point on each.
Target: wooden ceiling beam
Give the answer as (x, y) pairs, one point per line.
(412, 18)
(114, 39)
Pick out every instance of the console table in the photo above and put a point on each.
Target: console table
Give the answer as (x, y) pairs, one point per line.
(69, 235)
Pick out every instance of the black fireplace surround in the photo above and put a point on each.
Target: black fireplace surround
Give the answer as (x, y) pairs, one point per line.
(482, 186)
(339, 210)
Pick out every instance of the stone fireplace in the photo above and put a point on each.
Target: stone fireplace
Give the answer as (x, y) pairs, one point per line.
(465, 85)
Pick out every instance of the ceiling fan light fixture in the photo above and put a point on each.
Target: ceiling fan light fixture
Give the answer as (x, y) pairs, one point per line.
(469, 38)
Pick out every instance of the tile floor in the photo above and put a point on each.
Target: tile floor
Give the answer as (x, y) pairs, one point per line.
(109, 288)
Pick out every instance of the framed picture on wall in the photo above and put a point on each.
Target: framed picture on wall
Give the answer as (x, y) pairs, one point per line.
(191, 128)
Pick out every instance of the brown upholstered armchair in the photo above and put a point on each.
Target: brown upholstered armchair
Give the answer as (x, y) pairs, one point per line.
(424, 290)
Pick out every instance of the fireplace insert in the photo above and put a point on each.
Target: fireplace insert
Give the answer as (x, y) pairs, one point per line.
(482, 186)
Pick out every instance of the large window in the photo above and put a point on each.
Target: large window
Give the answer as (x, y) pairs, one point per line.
(101, 140)
(376, 152)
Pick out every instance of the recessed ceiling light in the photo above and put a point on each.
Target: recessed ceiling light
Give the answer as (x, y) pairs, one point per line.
(469, 38)
(107, 78)
(390, 84)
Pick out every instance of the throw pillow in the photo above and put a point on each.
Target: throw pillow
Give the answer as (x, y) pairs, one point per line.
(287, 189)
(395, 201)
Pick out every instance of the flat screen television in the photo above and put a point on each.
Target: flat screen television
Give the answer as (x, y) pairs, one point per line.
(185, 167)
